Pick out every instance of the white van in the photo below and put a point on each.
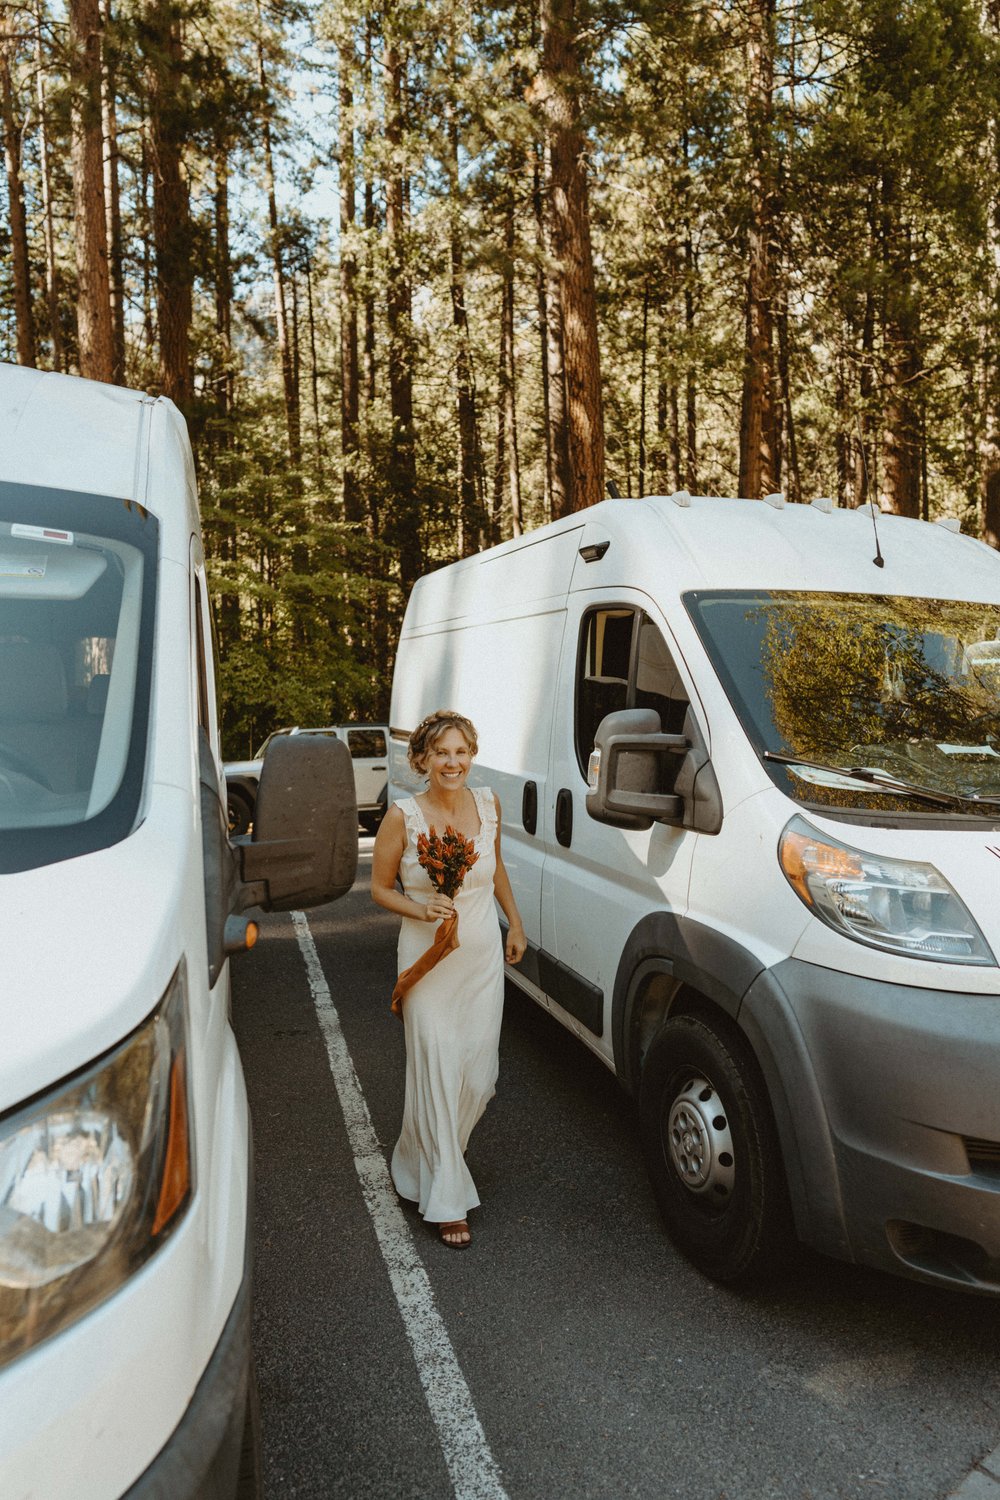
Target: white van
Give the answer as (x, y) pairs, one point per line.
(125, 1164)
(749, 760)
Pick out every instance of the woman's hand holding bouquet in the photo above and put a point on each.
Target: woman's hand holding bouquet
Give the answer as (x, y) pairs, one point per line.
(447, 859)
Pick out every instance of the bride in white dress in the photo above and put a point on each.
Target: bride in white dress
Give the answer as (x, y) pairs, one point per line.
(451, 1015)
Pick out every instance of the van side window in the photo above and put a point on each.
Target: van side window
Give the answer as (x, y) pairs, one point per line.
(602, 672)
(624, 662)
(657, 681)
(204, 712)
(366, 744)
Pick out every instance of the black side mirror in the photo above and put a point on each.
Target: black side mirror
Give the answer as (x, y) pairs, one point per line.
(627, 773)
(304, 849)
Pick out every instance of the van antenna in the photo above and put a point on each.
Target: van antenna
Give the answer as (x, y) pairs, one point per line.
(878, 559)
(613, 490)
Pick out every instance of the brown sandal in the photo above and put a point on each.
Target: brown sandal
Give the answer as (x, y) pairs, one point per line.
(457, 1226)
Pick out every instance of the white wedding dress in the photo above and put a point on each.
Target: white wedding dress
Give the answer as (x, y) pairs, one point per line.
(452, 1018)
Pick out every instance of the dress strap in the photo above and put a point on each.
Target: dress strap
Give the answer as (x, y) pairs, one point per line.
(486, 808)
(411, 815)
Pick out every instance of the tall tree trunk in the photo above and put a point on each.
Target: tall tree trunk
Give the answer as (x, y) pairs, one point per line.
(285, 351)
(900, 338)
(112, 196)
(349, 390)
(148, 274)
(557, 91)
(171, 209)
(500, 459)
(52, 280)
(314, 368)
(538, 206)
(757, 420)
(470, 519)
(690, 385)
(643, 362)
(405, 519)
(24, 320)
(224, 380)
(842, 439)
(793, 482)
(93, 302)
(510, 385)
(863, 486)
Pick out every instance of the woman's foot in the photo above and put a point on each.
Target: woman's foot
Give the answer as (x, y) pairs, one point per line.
(456, 1234)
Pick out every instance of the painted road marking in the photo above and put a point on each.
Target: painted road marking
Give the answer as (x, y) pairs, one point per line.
(474, 1472)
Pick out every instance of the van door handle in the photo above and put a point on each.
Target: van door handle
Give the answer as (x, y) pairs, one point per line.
(529, 807)
(564, 817)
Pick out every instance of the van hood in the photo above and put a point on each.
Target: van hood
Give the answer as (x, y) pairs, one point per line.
(90, 944)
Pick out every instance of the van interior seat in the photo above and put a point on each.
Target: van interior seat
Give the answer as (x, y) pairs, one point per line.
(35, 723)
(600, 696)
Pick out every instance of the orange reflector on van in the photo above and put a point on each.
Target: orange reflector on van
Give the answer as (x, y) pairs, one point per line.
(802, 857)
(176, 1181)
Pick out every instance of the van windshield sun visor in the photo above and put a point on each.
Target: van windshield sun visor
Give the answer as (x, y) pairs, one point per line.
(863, 702)
(77, 600)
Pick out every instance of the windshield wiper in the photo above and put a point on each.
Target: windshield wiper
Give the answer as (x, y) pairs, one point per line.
(885, 782)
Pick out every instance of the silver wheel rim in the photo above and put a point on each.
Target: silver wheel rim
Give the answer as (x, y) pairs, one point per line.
(699, 1141)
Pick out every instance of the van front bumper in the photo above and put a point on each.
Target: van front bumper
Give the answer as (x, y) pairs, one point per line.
(201, 1460)
(888, 1109)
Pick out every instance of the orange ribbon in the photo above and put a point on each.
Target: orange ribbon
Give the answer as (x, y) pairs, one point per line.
(445, 942)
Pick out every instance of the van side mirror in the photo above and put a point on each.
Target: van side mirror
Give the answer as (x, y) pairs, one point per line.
(304, 849)
(627, 772)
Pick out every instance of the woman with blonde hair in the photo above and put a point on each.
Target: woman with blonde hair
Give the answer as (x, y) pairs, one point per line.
(452, 1014)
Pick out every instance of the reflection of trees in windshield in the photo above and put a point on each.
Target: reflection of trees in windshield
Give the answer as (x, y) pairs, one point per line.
(889, 675)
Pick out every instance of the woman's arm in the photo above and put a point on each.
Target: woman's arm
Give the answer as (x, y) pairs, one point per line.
(516, 940)
(390, 841)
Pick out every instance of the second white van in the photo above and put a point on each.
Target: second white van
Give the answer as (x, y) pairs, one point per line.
(749, 760)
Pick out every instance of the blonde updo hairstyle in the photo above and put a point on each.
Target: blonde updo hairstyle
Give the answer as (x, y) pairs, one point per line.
(429, 731)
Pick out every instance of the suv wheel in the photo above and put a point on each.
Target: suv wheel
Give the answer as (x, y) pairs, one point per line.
(239, 812)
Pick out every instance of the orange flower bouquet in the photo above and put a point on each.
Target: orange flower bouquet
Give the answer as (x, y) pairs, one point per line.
(447, 858)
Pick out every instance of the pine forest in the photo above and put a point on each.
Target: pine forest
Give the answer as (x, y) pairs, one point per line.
(425, 276)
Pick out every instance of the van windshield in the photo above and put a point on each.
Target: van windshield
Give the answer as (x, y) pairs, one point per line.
(77, 587)
(904, 690)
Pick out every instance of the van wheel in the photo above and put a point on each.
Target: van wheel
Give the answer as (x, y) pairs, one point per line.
(249, 1482)
(370, 820)
(712, 1151)
(239, 811)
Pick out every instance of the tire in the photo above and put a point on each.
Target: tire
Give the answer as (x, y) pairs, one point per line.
(713, 1153)
(239, 811)
(370, 820)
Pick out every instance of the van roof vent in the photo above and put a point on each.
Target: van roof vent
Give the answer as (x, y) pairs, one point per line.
(778, 501)
(950, 523)
(823, 503)
(681, 498)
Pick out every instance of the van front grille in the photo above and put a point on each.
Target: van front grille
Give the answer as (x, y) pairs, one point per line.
(984, 1156)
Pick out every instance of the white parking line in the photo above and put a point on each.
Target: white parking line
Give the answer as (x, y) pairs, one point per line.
(471, 1465)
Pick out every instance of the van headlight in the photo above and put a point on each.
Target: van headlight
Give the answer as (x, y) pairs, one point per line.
(93, 1178)
(900, 905)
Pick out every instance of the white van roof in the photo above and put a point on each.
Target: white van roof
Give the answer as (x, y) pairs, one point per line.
(61, 432)
(667, 545)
